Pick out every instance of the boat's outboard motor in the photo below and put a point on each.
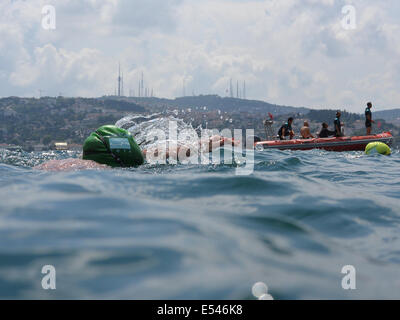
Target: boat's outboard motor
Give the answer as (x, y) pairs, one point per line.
(250, 141)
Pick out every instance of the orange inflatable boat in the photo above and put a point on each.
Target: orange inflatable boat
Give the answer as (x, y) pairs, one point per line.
(330, 144)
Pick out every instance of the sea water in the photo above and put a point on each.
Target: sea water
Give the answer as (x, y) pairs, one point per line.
(201, 231)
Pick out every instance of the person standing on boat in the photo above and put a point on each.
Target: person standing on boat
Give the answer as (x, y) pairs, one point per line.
(338, 125)
(368, 118)
(286, 130)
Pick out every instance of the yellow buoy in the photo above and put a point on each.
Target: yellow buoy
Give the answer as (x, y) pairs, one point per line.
(378, 147)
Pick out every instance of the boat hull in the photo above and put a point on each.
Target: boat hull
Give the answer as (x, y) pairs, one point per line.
(330, 144)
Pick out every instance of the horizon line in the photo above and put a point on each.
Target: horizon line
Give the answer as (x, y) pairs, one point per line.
(195, 96)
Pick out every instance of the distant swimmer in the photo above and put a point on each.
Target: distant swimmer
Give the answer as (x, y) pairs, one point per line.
(368, 118)
(305, 131)
(325, 132)
(338, 125)
(286, 130)
(110, 146)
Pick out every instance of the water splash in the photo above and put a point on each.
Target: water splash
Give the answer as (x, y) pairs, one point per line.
(143, 127)
(183, 134)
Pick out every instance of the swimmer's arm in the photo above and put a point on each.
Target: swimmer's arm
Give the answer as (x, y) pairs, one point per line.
(217, 141)
(214, 142)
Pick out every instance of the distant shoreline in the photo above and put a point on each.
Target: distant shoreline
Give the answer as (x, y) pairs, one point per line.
(37, 124)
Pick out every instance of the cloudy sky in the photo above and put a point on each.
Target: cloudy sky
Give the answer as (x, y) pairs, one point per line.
(292, 52)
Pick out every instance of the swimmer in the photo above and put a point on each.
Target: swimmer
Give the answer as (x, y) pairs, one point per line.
(97, 153)
(206, 145)
(70, 165)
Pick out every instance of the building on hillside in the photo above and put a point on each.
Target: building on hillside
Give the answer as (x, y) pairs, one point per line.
(61, 145)
(9, 112)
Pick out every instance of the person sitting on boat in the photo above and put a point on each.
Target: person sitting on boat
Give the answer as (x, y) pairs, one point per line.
(286, 130)
(368, 118)
(325, 132)
(338, 125)
(305, 131)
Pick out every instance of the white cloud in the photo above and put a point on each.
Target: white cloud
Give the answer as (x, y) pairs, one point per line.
(289, 52)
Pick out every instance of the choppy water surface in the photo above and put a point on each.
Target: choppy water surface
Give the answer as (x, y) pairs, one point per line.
(202, 232)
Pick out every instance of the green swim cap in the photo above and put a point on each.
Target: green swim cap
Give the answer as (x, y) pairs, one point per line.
(378, 147)
(112, 146)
